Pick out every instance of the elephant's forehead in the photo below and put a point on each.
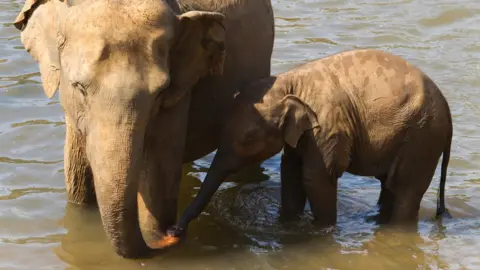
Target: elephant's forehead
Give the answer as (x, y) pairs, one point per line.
(122, 17)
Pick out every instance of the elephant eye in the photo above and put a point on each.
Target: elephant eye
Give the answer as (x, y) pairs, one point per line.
(80, 87)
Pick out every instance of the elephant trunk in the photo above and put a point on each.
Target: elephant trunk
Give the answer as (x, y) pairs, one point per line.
(224, 164)
(115, 154)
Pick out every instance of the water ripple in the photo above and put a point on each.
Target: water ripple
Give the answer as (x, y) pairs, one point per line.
(37, 122)
(17, 193)
(48, 239)
(25, 161)
(449, 17)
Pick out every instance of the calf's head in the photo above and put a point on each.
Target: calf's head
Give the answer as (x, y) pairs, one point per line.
(259, 127)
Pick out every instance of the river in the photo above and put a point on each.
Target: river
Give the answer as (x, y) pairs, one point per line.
(239, 230)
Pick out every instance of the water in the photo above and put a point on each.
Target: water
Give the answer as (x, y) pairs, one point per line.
(38, 230)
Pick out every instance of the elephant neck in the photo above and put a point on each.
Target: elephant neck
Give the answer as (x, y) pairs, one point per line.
(267, 90)
(297, 82)
(278, 87)
(184, 83)
(174, 5)
(175, 92)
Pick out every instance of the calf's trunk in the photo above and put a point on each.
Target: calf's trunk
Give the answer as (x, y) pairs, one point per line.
(222, 166)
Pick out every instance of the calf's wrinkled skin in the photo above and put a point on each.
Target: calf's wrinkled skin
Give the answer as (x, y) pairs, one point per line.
(144, 85)
(365, 112)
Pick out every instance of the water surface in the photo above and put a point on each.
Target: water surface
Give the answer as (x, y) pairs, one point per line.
(239, 230)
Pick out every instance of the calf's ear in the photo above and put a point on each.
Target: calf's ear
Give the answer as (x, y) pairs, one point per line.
(297, 118)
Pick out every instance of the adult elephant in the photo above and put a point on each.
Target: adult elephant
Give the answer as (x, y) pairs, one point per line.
(144, 86)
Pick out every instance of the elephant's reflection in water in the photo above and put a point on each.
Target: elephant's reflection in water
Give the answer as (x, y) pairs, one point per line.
(240, 229)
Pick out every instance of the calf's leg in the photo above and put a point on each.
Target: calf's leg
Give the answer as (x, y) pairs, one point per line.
(293, 196)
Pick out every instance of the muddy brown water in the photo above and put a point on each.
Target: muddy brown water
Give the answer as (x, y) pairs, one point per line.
(239, 230)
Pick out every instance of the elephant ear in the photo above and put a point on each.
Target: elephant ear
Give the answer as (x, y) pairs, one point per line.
(297, 118)
(38, 23)
(202, 42)
(25, 13)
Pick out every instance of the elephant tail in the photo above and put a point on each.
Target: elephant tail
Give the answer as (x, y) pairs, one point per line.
(442, 211)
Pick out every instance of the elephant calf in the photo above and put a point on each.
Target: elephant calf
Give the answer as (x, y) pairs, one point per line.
(365, 112)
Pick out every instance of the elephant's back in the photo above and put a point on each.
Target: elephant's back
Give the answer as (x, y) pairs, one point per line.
(389, 88)
(388, 100)
(380, 82)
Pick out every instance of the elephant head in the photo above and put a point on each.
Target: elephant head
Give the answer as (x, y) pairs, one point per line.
(115, 63)
(263, 119)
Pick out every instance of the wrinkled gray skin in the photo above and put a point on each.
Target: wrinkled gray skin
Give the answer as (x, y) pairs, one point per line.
(365, 112)
(128, 74)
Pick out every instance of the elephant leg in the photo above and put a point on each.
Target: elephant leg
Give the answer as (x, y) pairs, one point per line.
(293, 194)
(383, 192)
(385, 201)
(160, 183)
(78, 173)
(407, 198)
(320, 186)
(409, 181)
